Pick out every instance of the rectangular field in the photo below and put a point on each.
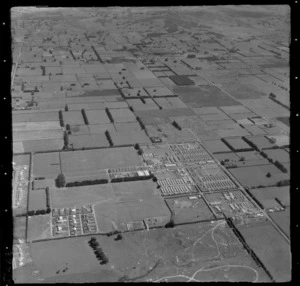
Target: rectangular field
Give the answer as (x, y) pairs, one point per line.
(46, 165)
(38, 227)
(77, 196)
(37, 200)
(255, 176)
(204, 95)
(91, 160)
(122, 115)
(97, 117)
(35, 117)
(187, 210)
(271, 249)
(129, 137)
(37, 134)
(41, 145)
(73, 117)
(268, 195)
(88, 141)
(283, 220)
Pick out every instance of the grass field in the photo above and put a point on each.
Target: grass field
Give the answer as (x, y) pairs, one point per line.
(279, 155)
(35, 117)
(43, 145)
(285, 120)
(127, 126)
(37, 134)
(92, 160)
(216, 146)
(223, 156)
(18, 147)
(204, 95)
(70, 197)
(97, 117)
(261, 142)
(88, 141)
(283, 220)
(38, 227)
(21, 159)
(197, 125)
(71, 255)
(46, 165)
(129, 137)
(271, 248)
(30, 126)
(101, 128)
(243, 91)
(186, 210)
(37, 200)
(73, 117)
(122, 115)
(133, 201)
(79, 129)
(266, 195)
(203, 251)
(238, 144)
(255, 176)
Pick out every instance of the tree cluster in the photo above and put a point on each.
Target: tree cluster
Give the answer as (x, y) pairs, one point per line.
(39, 212)
(61, 120)
(87, 183)
(283, 183)
(85, 119)
(140, 122)
(100, 255)
(129, 179)
(280, 167)
(109, 115)
(47, 198)
(176, 125)
(66, 140)
(68, 128)
(60, 181)
(108, 138)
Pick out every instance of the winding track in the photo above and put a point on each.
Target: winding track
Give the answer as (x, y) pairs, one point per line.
(202, 269)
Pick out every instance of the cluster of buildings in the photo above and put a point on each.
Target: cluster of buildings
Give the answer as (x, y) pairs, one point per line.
(73, 221)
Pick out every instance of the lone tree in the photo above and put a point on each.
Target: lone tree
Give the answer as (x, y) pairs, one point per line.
(60, 181)
(268, 175)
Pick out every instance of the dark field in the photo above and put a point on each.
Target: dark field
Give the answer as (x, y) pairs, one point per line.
(285, 120)
(204, 96)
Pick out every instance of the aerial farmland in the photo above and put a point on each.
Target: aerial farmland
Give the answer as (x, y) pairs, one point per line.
(151, 144)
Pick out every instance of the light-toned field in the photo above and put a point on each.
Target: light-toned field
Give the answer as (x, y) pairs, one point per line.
(70, 197)
(38, 227)
(37, 134)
